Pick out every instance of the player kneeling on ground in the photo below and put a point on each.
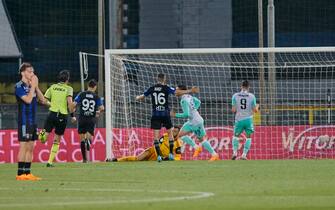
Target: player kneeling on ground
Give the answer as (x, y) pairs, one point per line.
(90, 106)
(150, 153)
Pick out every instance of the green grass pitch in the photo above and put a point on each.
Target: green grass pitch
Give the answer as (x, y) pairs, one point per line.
(193, 185)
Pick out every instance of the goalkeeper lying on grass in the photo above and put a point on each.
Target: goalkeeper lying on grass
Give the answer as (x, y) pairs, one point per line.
(150, 153)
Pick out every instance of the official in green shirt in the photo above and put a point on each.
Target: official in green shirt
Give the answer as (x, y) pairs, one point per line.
(60, 101)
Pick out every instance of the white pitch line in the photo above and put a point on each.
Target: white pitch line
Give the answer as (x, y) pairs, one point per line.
(194, 195)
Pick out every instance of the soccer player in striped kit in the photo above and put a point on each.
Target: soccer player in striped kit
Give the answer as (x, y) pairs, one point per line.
(27, 93)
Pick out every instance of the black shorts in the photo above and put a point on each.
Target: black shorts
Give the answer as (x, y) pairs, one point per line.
(57, 121)
(86, 124)
(158, 122)
(27, 133)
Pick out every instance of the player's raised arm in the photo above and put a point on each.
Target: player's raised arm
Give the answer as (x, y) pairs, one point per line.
(39, 93)
(180, 92)
(34, 83)
(27, 98)
(145, 94)
(41, 97)
(140, 97)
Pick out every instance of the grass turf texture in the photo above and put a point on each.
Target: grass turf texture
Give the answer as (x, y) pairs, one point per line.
(288, 184)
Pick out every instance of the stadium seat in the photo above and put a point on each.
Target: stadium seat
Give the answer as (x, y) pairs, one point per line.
(257, 118)
(2, 88)
(9, 88)
(8, 99)
(43, 86)
(76, 86)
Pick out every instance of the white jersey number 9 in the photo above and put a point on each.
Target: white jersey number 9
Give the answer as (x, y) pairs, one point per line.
(243, 103)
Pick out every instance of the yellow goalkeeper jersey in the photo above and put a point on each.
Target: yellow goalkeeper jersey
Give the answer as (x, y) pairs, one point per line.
(165, 148)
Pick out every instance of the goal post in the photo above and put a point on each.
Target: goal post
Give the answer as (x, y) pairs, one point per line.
(296, 96)
(108, 103)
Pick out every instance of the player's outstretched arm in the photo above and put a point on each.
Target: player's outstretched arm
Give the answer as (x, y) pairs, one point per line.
(194, 89)
(140, 97)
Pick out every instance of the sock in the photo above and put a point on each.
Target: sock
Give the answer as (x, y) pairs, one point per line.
(208, 147)
(247, 146)
(128, 158)
(158, 150)
(83, 149)
(235, 145)
(88, 144)
(20, 168)
(189, 141)
(171, 145)
(53, 152)
(27, 166)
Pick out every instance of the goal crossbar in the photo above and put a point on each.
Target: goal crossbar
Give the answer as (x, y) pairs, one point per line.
(219, 50)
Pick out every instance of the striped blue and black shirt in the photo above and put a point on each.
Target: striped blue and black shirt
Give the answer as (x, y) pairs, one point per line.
(26, 112)
(160, 99)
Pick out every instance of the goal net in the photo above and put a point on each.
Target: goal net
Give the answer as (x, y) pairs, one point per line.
(294, 87)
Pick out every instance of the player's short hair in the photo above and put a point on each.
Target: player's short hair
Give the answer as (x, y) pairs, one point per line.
(24, 66)
(64, 76)
(177, 126)
(245, 84)
(182, 87)
(161, 77)
(92, 83)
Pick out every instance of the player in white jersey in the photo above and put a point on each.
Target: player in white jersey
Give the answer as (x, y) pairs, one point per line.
(195, 124)
(244, 106)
